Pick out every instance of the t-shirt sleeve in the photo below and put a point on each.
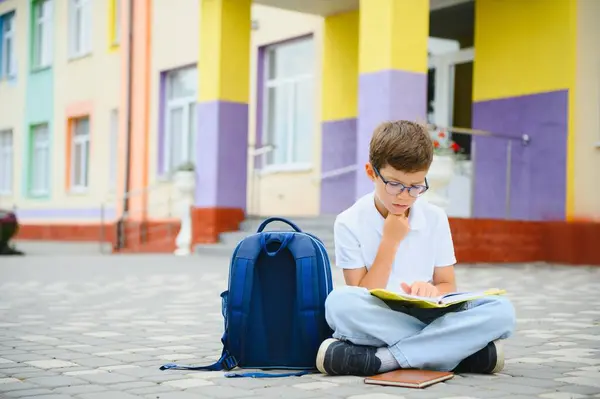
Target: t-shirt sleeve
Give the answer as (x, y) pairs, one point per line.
(444, 255)
(347, 248)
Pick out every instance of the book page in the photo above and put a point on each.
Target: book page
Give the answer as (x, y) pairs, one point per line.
(384, 294)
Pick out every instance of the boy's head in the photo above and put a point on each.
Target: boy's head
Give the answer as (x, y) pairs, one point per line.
(400, 155)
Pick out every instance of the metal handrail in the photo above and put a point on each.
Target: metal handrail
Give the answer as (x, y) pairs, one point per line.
(336, 172)
(260, 151)
(524, 138)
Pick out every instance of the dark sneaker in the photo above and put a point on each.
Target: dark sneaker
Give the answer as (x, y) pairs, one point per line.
(489, 360)
(337, 357)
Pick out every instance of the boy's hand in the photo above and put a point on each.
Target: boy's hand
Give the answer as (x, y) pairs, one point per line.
(395, 228)
(421, 288)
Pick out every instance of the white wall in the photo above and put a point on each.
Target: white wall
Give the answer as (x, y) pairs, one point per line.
(285, 193)
(12, 97)
(175, 43)
(587, 113)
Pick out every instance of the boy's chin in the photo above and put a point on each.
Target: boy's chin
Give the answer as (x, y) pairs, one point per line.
(396, 210)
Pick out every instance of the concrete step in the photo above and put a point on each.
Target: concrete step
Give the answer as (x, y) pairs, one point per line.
(321, 227)
(309, 224)
(233, 237)
(226, 249)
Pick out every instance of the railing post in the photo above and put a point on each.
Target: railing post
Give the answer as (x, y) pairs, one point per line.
(508, 177)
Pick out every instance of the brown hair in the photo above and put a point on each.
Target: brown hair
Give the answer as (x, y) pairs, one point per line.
(405, 146)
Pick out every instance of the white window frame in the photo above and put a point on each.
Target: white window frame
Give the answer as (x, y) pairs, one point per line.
(43, 36)
(189, 139)
(114, 150)
(80, 178)
(80, 28)
(8, 69)
(444, 66)
(39, 145)
(291, 82)
(6, 161)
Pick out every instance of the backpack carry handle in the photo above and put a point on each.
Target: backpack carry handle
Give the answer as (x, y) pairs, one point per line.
(278, 219)
(274, 237)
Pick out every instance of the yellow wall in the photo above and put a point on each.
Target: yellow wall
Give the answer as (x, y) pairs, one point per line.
(393, 35)
(284, 193)
(528, 47)
(586, 165)
(224, 58)
(522, 47)
(339, 80)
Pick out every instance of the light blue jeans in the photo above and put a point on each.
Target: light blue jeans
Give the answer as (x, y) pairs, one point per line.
(433, 339)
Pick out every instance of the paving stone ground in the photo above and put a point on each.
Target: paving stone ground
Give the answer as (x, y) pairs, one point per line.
(94, 327)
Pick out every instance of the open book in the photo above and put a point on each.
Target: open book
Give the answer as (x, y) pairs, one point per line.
(434, 302)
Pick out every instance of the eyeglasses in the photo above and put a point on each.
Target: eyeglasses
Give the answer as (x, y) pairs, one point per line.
(397, 188)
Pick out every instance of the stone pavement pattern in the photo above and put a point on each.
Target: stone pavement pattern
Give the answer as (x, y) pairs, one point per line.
(95, 327)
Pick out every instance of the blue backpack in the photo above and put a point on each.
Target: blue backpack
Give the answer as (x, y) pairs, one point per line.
(274, 307)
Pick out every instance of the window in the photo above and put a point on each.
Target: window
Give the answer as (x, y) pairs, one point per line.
(80, 153)
(289, 100)
(114, 149)
(180, 117)
(40, 160)
(42, 33)
(8, 65)
(115, 21)
(6, 162)
(80, 22)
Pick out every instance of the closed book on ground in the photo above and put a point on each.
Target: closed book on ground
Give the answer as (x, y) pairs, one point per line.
(409, 378)
(434, 302)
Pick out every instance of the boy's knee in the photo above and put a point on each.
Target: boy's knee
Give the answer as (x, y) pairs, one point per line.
(341, 300)
(344, 297)
(503, 315)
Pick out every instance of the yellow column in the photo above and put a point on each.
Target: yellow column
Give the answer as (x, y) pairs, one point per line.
(223, 92)
(392, 68)
(523, 83)
(224, 61)
(339, 87)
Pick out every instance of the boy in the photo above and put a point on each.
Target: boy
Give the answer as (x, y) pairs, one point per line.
(393, 239)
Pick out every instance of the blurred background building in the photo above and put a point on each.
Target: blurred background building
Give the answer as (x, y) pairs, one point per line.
(273, 103)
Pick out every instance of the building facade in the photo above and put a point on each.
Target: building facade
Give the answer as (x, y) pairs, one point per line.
(274, 102)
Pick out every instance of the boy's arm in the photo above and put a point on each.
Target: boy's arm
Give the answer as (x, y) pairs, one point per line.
(349, 257)
(444, 277)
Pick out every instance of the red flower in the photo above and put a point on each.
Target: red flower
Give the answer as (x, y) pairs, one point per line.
(442, 135)
(436, 144)
(455, 147)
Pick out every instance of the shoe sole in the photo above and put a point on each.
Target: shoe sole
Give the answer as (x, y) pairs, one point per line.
(499, 357)
(320, 363)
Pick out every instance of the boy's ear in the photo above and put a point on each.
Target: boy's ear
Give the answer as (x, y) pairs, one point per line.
(370, 172)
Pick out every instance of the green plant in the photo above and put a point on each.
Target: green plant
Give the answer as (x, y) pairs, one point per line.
(186, 167)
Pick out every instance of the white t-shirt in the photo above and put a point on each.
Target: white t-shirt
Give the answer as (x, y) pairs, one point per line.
(428, 244)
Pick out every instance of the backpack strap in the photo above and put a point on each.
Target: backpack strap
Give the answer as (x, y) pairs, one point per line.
(268, 375)
(235, 308)
(240, 292)
(307, 288)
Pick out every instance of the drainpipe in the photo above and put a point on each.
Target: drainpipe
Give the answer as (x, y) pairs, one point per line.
(121, 243)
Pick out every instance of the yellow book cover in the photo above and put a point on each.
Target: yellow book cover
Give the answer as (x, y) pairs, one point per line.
(434, 302)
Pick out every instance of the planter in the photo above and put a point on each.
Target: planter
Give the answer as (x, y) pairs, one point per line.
(439, 176)
(185, 184)
(185, 181)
